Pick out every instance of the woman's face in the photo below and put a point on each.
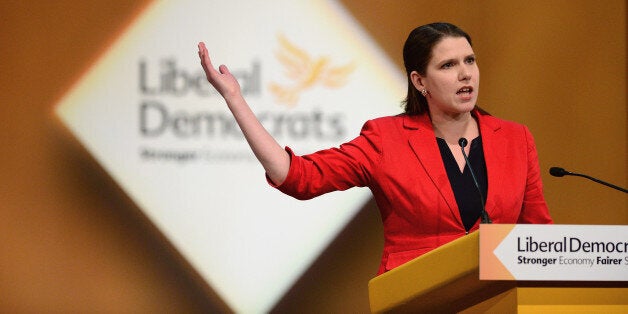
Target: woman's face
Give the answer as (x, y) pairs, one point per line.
(452, 78)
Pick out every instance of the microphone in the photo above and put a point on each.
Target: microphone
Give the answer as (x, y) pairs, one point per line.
(483, 214)
(559, 172)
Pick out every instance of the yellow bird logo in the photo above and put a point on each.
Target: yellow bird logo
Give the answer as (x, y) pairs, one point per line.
(305, 72)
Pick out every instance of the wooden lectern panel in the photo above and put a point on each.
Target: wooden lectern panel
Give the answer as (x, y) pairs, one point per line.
(435, 280)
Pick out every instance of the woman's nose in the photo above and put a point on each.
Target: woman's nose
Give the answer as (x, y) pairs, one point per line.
(464, 74)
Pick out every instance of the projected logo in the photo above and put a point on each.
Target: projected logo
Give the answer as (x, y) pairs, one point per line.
(148, 116)
(305, 72)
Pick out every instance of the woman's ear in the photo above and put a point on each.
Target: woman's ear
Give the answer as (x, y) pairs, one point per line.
(417, 80)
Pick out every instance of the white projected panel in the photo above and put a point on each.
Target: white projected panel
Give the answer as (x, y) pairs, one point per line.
(147, 114)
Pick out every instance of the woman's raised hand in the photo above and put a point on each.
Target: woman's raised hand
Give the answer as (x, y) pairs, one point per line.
(271, 155)
(222, 80)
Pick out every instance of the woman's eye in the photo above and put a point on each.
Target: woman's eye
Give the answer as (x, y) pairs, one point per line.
(447, 65)
(470, 60)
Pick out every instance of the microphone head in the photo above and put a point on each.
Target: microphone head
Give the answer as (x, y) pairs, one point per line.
(558, 171)
(462, 142)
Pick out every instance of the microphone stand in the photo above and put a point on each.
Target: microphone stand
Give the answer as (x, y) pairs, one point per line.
(559, 172)
(485, 219)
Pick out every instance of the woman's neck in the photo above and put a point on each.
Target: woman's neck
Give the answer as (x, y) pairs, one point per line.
(452, 128)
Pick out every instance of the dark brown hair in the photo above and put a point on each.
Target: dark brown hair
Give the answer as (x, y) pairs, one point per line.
(417, 52)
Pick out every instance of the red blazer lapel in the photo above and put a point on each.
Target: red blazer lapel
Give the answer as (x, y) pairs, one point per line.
(494, 147)
(422, 140)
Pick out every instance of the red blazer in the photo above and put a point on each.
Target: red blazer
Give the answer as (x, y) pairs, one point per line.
(399, 160)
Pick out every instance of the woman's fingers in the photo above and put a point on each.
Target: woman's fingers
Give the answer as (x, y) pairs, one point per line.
(207, 64)
(205, 60)
(220, 78)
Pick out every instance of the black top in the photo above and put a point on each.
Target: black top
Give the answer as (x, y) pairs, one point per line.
(466, 193)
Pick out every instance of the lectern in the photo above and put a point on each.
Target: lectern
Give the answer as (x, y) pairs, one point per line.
(446, 280)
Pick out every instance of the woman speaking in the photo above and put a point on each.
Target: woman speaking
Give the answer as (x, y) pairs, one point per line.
(436, 171)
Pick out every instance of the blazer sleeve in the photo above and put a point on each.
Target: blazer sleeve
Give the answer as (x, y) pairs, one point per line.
(335, 169)
(534, 208)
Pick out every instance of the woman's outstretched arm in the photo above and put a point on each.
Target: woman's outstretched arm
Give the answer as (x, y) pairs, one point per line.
(270, 154)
